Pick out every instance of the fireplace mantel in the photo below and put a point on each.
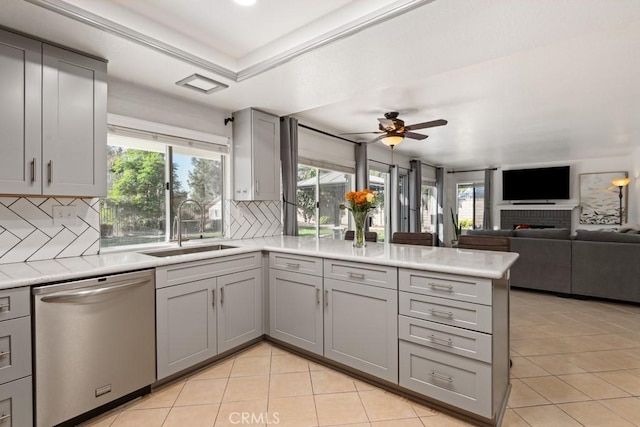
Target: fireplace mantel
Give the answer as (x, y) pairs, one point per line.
(535, 207)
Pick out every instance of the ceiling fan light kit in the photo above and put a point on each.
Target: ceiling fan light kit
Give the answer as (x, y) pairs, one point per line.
(392, 140)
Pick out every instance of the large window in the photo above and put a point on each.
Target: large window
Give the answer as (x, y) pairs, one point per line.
(378, 183)
(470, 197)
(428, 207)
(146, 183)
(320, 193)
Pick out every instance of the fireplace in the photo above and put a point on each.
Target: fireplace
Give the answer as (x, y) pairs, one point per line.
(535, 218)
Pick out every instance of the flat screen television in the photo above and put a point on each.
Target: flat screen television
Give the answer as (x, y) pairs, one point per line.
(536, 184)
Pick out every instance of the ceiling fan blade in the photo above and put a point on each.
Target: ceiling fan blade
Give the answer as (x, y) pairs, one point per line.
(376, 139)
(387, 124)
(361, 133)
(425, 125)
(414, 135)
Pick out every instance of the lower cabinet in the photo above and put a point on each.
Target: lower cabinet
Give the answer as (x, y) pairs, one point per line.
(361, 327)
(15, 403)
(199, 319)
(295, 312)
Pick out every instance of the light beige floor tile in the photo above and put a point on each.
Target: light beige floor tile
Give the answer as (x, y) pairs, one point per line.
(288, 363)
(627, 407)
(443, 420)
(586, 343)
(192, 416)
(556, 364)
(523, 395)
(523, 367)
(546, 416)
(512, 419)
(299, 411)
(623, 380)
(339, 408)
(277, 351)
(331, 382)
(364, 386)
(247, 413)
(620, 358)
(247, 388)
(353, 425)
(201, 392)
(141, 417)
(290, 384)
(313, 366)
(382, 406)
(593, 414)
(424, 411)
(407, 422)
(593, 386)
(218, 370)
(591, 362)
(162, 398)
(251, 366)
(104, 420)
(259, 350)
(555, 390)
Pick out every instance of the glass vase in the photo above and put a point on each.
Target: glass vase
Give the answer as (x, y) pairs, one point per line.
(359, 218)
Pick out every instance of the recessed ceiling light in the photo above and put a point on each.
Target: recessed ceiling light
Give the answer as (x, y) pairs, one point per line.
(201, 84)
(245, 2)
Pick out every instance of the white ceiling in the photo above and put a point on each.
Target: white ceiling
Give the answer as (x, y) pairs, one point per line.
(520, 81)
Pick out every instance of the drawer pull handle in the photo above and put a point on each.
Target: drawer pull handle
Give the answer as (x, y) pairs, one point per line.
(293, 265)
(326, 298)
(439, 287)
(213, 298)
(221, 296)
(5, 416)
(33, 170)
(438, 340)
(5, 353)
(443, 314)
(318, 296)
(441, 377)
(6, 306)
(356, 275)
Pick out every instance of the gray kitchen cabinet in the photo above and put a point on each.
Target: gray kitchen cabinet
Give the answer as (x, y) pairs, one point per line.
(20, 114)
(204, 308)
(256, 155)
(53, 120)
(295, 313)
(16, 396)
(361, 327)
(239, 311)
(185, 325)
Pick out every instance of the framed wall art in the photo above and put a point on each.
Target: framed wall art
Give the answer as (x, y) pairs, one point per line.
(599, 198)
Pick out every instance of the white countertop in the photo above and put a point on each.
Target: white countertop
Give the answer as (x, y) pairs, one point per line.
(444, 260)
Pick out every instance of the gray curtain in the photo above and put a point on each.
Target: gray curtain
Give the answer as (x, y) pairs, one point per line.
(289, 161)
(362, 167)
(439, 214)
(415, 196)
(487, 222)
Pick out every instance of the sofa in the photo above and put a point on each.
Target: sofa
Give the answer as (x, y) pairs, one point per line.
(545, 258)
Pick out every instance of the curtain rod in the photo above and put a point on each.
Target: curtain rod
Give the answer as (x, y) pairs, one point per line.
(474, 170)
(326, 133)
(387, 164)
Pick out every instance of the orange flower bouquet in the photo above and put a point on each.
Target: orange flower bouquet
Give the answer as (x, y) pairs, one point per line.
(360, 203)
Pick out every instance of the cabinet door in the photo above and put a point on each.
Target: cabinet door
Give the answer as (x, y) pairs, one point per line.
(266, 156)
(16, 408)
(295, 314)
(361, 327)
(239, 308)
(20, 120)
(186, 325)
(74, 124)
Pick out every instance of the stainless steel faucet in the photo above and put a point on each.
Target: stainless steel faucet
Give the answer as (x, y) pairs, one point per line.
(180, 219)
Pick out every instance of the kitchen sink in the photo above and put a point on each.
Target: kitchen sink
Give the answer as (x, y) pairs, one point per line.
(190, 250)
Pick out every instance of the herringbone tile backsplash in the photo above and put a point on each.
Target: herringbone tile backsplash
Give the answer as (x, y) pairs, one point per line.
(27, 232)
(252, 219)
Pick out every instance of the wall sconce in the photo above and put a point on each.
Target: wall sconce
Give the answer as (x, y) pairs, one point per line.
(620, 183)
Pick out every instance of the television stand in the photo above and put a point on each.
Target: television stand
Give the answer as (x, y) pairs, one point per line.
(534, 203)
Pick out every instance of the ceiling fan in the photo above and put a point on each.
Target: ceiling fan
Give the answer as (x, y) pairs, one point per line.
(393, 130)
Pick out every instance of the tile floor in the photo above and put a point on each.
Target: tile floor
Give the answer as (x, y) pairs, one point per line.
(575, 363)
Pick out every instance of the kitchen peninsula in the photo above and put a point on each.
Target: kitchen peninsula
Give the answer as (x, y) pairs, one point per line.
(427, 322)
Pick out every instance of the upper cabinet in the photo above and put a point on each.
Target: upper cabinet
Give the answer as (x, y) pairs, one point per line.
(53, 121)
(256, 155)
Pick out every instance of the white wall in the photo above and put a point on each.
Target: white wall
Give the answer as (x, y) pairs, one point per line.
(634, 187)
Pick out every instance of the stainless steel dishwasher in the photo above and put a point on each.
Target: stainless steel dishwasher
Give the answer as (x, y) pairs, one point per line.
(94, 343)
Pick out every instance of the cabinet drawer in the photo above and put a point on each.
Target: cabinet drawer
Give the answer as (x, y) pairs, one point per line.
(441, 310)
(368, 274)
(296, 263)
(461, 288)
(16, 404)
(15, 349)
(14, 303)
(188, 272)
(458, 381)
(462, 342)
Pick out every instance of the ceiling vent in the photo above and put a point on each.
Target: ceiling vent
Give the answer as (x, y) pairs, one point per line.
(201, 84)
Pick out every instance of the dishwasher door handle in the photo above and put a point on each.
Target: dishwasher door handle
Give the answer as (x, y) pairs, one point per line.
(70, 296)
